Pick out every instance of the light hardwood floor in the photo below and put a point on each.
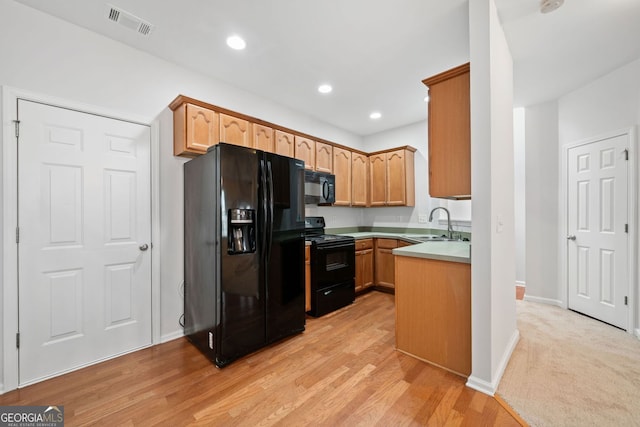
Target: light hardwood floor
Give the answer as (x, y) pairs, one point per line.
(343, 370)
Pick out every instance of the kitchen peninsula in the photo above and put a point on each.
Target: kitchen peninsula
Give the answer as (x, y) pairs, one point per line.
(433, 304)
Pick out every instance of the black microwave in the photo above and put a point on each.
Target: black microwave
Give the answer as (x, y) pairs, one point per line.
(319, 188)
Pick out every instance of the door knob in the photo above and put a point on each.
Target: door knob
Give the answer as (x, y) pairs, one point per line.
(572, 237)
(144, 247)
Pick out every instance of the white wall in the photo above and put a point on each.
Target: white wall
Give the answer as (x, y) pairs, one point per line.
(608, 104)
(519, 182)
(493, 317)
(45, 55)
(542, 219)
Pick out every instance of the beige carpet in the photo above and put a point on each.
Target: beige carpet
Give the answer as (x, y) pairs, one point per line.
(571, 370)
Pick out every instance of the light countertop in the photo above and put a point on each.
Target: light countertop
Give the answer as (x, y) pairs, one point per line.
(454, 251)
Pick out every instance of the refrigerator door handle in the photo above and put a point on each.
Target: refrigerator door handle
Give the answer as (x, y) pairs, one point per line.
(271, 203)
(265, 220)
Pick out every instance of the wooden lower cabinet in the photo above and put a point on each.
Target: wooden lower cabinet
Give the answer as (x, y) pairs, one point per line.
(433, 312)
(364, 264)
(307, 278)
(384, 264)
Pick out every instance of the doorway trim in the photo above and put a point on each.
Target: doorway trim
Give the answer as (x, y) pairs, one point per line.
(9, 287)
(632, 179)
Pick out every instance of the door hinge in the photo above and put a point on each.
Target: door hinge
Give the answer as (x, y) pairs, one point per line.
(17, 125)
(626, 154)
(17, 234)
(18, 340)
(626, 301)
(626, 228)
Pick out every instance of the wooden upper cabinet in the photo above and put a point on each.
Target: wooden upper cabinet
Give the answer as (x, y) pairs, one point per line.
(262, 137)
(359, 179)
(234, 130)
(401, 178)
(195, 129)
(378, 179)
(324, 157)
(450, 134)
(284, 144)
(342, 171)
(306, 150)
(392, 177)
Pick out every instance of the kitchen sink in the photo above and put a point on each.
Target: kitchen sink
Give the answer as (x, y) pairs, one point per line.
(432, 238)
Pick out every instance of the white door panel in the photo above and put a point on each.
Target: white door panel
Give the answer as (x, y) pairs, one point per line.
(83, 212)
(597, 215)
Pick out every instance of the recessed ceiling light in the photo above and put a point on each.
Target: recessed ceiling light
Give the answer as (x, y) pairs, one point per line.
(325, 88)
(236, 42)
(547, 6)
(375, 115)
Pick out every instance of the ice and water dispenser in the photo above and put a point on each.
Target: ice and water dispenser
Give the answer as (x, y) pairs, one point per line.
(242, 231)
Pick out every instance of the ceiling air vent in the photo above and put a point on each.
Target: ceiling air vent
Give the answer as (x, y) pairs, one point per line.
(129, 20)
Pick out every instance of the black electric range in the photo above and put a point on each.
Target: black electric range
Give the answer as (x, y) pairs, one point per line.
(332, 268)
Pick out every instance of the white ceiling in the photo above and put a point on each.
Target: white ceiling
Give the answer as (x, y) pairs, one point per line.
(373, 53)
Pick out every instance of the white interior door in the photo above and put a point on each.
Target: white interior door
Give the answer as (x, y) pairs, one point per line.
(597, 247)
(84, 216)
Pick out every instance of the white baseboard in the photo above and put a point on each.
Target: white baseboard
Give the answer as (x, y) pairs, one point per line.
(481, 385)
(490, 388)
(541, 300)
(504, 361)
(171, 336)
(521, 283)
(638, 333)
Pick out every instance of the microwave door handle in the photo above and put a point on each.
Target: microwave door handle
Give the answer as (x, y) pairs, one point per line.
(325, 190)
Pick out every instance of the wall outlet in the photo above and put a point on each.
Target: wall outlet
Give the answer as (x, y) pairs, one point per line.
(423, 218)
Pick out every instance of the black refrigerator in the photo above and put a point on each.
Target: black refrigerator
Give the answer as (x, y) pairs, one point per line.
(243, 250)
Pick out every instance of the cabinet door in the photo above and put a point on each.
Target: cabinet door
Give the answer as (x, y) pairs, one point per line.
(342, 171)
(195, 130)
(449, 134)
(262, 137)
(384, 263)
(359, 179)
(324, 157)
(306, 151)
(234, 131)
(367, 268)
(378, 179)
(396, 178)
(284, 144)
(359, 270)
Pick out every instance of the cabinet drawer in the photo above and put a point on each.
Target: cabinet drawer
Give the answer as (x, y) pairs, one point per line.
(387, 243)
(364, 244)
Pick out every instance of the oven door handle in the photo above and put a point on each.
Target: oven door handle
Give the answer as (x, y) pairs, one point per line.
(336, 245)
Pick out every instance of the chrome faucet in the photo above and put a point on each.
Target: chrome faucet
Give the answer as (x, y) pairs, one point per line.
(449, 228)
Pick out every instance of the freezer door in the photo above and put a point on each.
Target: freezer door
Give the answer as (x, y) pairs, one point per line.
(242, 322)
